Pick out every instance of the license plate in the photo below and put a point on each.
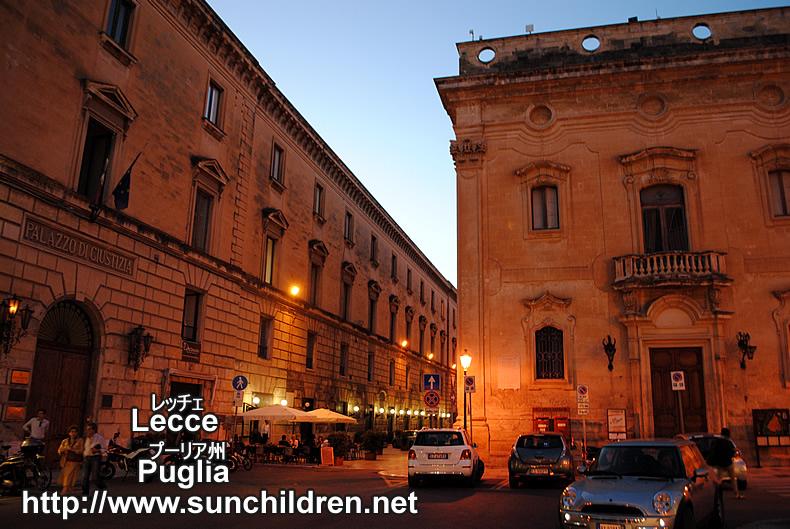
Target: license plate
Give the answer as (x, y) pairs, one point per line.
(610, 526)
(541, 471)
(437, 456)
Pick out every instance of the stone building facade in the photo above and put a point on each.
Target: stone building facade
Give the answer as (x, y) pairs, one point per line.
(233, 199)
(627, 187)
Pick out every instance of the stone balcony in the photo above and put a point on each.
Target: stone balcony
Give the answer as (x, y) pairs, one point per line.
(669, 269)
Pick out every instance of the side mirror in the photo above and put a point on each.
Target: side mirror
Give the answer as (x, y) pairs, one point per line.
(700, 473)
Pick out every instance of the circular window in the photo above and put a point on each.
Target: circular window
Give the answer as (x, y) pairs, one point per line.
(701, 31)
(591, 43)
(486, 55)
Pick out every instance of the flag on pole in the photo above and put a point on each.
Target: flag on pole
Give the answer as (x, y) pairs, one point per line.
(121, 191)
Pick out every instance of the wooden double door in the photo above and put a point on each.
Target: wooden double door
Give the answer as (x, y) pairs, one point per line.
(678, 411)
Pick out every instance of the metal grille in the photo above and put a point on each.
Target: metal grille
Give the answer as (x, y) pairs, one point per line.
(549, 359)
(67, 325)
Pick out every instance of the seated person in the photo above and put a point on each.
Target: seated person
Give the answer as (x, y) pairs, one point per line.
(284, 441)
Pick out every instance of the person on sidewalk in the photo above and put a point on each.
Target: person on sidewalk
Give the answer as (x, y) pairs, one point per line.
(95, 448)
(71, 455)
(721, 456)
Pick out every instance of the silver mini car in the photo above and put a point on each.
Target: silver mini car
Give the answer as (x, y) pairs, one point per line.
(661, 483)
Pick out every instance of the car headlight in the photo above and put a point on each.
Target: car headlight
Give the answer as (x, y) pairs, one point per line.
(662, 502)
(568, 499)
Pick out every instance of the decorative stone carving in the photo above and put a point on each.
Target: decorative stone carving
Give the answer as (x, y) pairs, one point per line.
(467, 150)
(629, 301)
(714, 297)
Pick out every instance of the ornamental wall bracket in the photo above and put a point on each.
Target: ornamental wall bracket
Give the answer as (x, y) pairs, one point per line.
(467, 150)
(547, 308)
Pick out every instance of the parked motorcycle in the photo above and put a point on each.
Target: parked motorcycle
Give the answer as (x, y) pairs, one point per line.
(127, 459)
(24, 469)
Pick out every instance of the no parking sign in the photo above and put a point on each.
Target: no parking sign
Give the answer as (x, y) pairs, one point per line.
(678, 381)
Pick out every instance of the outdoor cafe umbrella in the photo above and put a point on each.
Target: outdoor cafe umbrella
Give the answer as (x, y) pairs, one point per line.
(278, 413)
(327, 415)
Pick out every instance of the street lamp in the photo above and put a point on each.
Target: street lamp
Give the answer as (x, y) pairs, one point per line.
(466, 361)
(10, 334)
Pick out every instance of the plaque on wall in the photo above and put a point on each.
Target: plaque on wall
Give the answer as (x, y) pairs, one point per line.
(509, 372)
(15, 413)
(20, 377)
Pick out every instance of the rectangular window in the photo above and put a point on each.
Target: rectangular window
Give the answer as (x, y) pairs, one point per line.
(118, 21)
(408, 372)
(545, 213)
(277, 164)
(345, 302)
(442, 312)
(318, 200)
(343, 360)
(95, 160)
(371, 364)
(372, 316)
(408, 279)
(408, 333)
(189, 325)
(374, 249)
(315, 282)
(433, 301)
(780, 192)
(348, 231)
(268, 266)
(394, 267)
(422, 341)
(202, 220)
(393, 324)
(213, 98)
(392, 372)
(311, 339)
(422, 292)
(264, 338)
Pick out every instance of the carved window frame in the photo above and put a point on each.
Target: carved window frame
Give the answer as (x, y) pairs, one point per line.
(781, 316)
(208, 177)
(774, 157)
(549, 310)
(274, 226)
(541, 174)
(662, 165)
(318, 254)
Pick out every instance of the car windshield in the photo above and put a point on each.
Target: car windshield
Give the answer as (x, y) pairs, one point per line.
(539, 441)
(439, 439)
(645, 461)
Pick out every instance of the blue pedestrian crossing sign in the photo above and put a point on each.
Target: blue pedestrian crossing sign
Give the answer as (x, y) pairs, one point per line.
(431, 382)
(239, 382)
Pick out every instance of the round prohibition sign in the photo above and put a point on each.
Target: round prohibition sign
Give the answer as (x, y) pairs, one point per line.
(432, 399)
(677, 377)
(582, 390)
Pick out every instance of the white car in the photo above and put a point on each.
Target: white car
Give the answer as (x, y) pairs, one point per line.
(444, 452)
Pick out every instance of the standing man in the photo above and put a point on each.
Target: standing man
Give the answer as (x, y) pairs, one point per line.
(721, 456)
(36, 428)
(95, 448)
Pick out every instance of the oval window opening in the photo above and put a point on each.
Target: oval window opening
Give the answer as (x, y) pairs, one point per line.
(486, 55)
(701, 31)
(591, 43)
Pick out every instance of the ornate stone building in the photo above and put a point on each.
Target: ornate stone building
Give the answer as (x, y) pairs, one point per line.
(233, 199)
(627, 188)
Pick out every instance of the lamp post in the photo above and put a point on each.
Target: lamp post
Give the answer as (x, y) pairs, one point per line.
(10, 334)
(466, 361)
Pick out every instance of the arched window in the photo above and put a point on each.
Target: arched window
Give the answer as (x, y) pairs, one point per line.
(549, 357)
(664, 219)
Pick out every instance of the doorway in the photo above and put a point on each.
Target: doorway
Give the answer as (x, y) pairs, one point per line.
(61, 372)
(679, 411)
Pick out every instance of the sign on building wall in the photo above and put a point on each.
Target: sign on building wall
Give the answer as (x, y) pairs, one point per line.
(772, 427)
(615, 419)
(509, 373)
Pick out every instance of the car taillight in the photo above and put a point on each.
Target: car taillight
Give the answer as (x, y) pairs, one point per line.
(412, 454)
(466, 454)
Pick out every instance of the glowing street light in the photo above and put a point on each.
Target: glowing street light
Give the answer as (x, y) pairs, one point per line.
(466, 361)
(294, 290)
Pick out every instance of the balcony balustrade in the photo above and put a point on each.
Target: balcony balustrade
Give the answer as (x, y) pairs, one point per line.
(670, 268)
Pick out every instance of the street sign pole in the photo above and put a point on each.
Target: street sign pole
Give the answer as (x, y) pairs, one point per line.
(464, 399)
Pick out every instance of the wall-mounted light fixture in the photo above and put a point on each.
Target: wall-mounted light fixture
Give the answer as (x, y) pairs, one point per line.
(746, 349)
(610, 349)
(10, 333)
(139, 345)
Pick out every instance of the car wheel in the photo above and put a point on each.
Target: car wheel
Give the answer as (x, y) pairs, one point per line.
(717, 516)
(513, 482)
(414, 482)
(481, 468)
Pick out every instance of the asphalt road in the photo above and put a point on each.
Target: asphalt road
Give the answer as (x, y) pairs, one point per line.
(443, 504)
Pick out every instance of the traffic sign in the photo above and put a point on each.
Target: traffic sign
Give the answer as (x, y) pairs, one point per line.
(582, 393)
(431, 382)
(238, 398)
(432, 399)
(239, 382)
(469, 384)
(678, 381)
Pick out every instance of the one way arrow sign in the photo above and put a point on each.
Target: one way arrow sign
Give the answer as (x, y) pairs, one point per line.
(431, 382)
